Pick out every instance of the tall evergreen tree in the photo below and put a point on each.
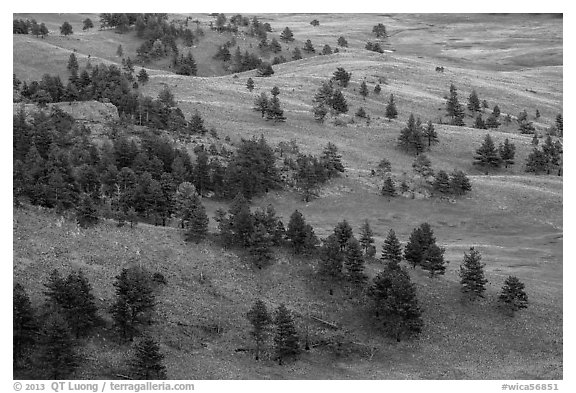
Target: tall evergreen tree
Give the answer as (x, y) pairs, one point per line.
(388, 189)
(331, 258)
(366, 236)
(261, 103)
(147, 361)
(57, 358)
(471, 274)
(354, 262)
(496, 111)
(394, 303)
(338, 102)
(134, 301)
(364, 90)
(308, 47)
(287, 35)
(286, 338)
(513, 295)
(66, 29)
(261, 321)
(296, 54)
(430, 133)
(459, 182)
(473, 102)
(391, 250)
(300, 234)
(332, 160)
(453, 107)
(342, 42)
(487, 155)
(343, 232)
(479, 123)
(342, 77)
(433, 260)
(72, 63)
(250, 84)
(273, 110)
(560, 124)
(260, 246)
(442, 182)
(24, 326)
(391, 111)
(197, 228)
(86, 213)
(507, 152)
(411, 137)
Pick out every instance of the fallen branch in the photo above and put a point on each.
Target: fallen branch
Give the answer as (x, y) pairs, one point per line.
(332, 325)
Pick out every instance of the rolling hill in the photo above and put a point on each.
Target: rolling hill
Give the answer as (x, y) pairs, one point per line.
(513, 218)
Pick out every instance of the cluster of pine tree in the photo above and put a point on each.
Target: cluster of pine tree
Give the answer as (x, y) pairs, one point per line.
(47, 340)
(546, 159)
(29, 26)
(328, 98)
(415, 137)
(270, 107)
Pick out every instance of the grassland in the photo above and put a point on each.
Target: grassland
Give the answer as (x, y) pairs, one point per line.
(513, 218)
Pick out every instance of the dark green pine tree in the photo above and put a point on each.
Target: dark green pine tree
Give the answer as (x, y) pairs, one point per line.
(366, 236)
(287, 35)
(147, 361)
(459, 182)
(57, 358)
(273, 110)
(260, 246)
(560, 124)
(261, 321)
(388, 189)
(197, 228)
(261, 104)
(342, 76)
(343, 232)
(479, 123)
(442, 182)
(537, 161)
(66, 29)
(487, 155)
(342, 42)
(377, 89)
(433, 260)
(86, 213)
(320, 112)
(24, 326)
(300, 234)
(414, 249)
(392, 250)
(134, 301)
(72, 64)
(391, 111)
(473, 102)
(354, 262)
(492, 122)
(250, 84)
(411, 137)
(513, 296)
(201, 173)
(453, 107)
(364, 90)
(496, 111)
(308, 47)
(394, 303)
(507, 152)
(331, 258)
(241, 220)
(430, 133)
(472, 279)
(296, 54)
(143, 76)
(286, 340)
(79, 304)
(332, 160)
(338, 102)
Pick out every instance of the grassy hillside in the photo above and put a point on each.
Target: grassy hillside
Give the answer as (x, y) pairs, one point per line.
(514, 219)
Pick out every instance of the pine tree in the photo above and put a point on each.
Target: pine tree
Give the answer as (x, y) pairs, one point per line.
(331, 160)
(391, 250)
(119, 51)
(473, 102)
(286, 338)
(459, 182)
(241, 220)
(261, 321)
(343, 232)
(394, 303)
(72, 64)
(273, 110)
(87, 24)
(331, 258)
(197, 228)
(147, 361)
(338, 102)
(86, 213)
(388, 189)
(300, 234)
(24, 326)
(560, 124)
(260, 246)
(492, 122)
(308, 47)
(537, 115)
(361, 113)
(377, 89)
(479, 123)
(66, 29)
(326, 50)
(342, 77)
(411, 136)
(471, 274)
(250, 84)
(142, 76)
(391, 111)
(296, 54)
(526, 127)
(522, 116)
(261, 104)
(513, 295)
(507, 152)
(43, 30)
(134, 301)
(423, 166)
(487, 155)
(364, 90)
(496, 111)
(354, 262)
(430, 133)
(320, 112)
(287, 35)
(453, 108)
(342, 42)
(366, 236)
(537, 161)
(442, 182)
(433, 260)
(57, 358)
